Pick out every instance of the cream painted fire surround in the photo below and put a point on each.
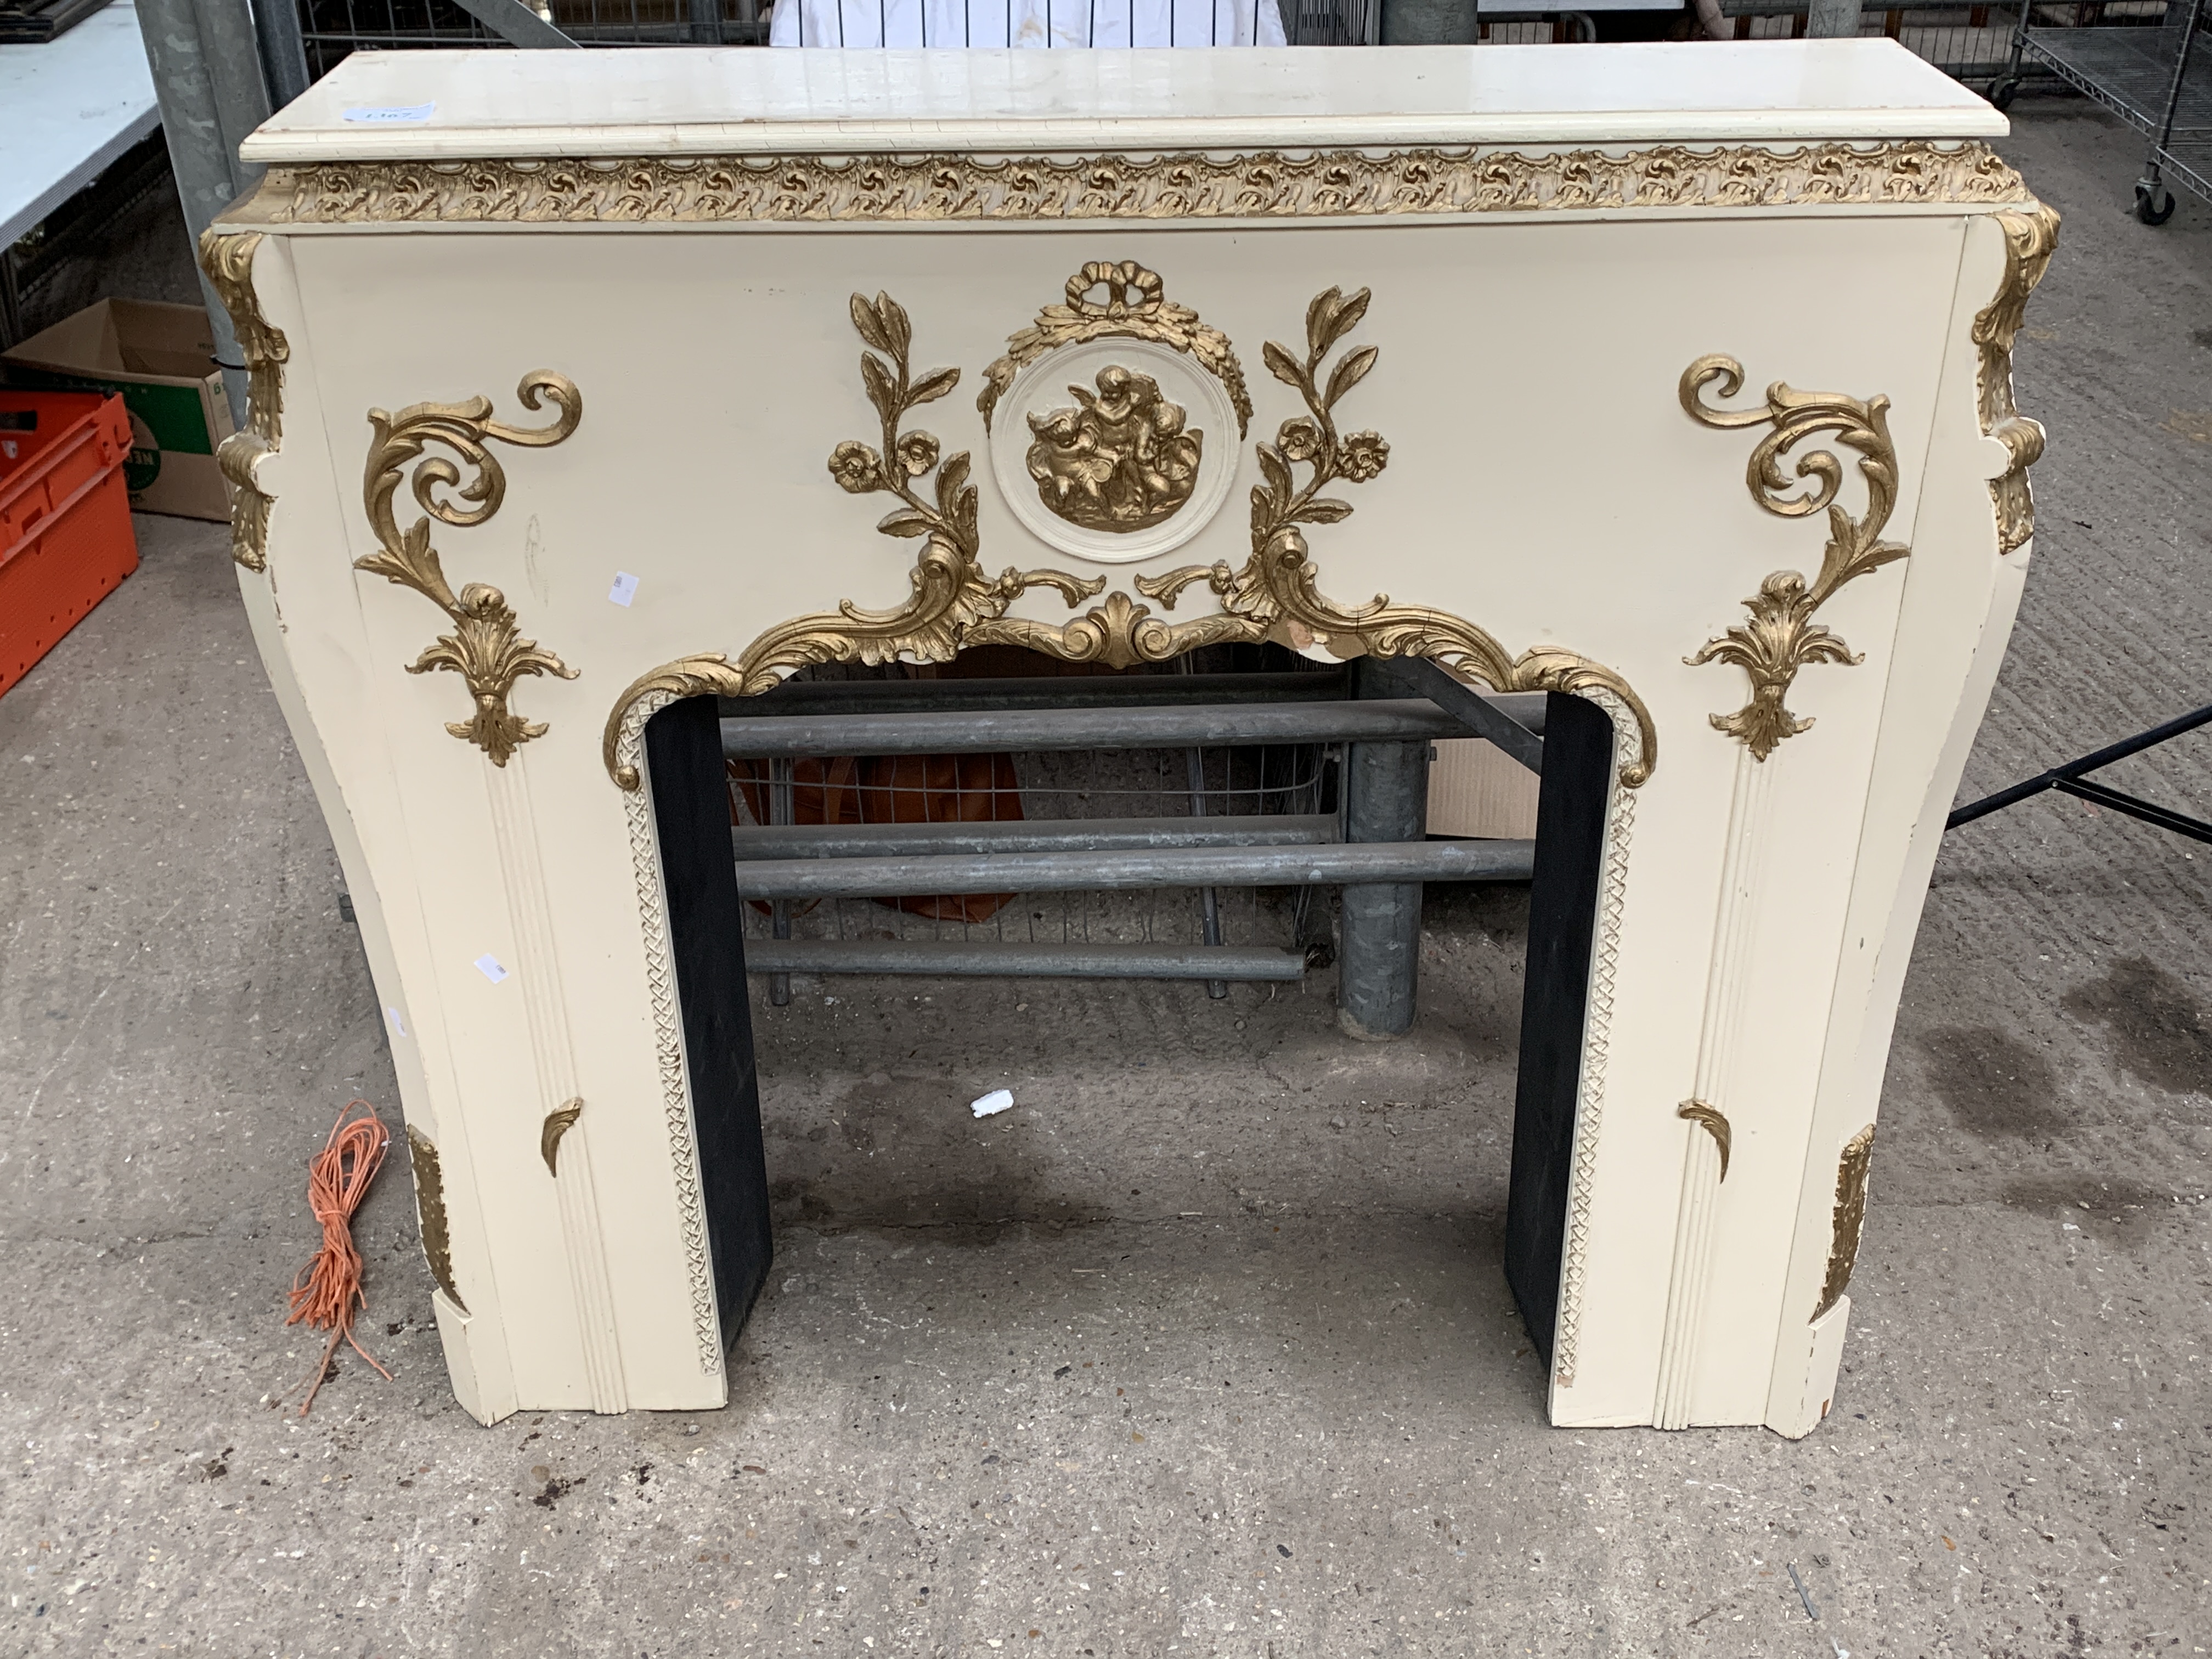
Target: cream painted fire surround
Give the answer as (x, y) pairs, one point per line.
(1570, 349)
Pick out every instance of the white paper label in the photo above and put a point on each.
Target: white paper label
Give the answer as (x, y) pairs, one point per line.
(625, 589)
(488, 965)
(392, 1014)
(391, 116)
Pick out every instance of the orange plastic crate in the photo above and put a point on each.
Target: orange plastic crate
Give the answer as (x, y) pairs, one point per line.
(65, 537)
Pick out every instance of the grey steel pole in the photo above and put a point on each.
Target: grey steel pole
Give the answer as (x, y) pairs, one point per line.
(1832, 19)
(1379, 926)
(1018, 959)
(283, 49)
(779, 805)
(1367, 864)
(1194, 764)
(207, 79)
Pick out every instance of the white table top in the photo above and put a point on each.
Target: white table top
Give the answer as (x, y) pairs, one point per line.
(67, 109)
(736, 101)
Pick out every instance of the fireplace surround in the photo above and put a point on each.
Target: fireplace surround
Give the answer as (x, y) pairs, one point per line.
(1671, 383)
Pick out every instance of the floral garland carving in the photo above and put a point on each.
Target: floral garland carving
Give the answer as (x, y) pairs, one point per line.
(1136, 307)
(1331, 184)
(1274, 595)
(229, 262)
(1782, 637)
(2030, 239)
(485, 648)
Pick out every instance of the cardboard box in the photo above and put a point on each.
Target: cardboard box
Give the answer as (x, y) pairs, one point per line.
(1476, 789)
(160, 358)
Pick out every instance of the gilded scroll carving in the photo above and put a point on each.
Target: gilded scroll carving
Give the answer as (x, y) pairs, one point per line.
(485, 648)
(1134, 305)
(1782, 637)
(1849, 1220)
(228, 259)
(1333, 184)
(430, 1209)
(1275, 594)
(2030, 238)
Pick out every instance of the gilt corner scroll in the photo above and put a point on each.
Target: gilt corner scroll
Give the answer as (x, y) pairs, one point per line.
(486, 648)
(228, 259)
(1274, 595)
(2030, 237)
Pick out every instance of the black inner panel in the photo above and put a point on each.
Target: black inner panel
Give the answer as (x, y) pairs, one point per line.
(691, 807)
(1570, 805)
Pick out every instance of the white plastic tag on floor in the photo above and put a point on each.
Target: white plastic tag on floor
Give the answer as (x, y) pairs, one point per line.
(998, 1100)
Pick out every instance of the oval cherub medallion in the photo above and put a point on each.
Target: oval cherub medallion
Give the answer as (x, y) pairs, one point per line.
(1099, 417)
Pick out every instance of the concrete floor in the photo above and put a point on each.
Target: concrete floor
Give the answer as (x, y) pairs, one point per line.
(1006, 1396)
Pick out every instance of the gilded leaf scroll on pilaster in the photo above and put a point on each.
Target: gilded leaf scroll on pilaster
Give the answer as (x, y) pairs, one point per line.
(228, 259)
(2030, 238)
(430, 1212)
(557, 1123)
(1849, 1220)
(1714, 1122)
(1782, 637)
(486, 648)
(1274, 595)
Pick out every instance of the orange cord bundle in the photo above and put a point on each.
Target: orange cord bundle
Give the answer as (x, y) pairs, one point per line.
(328, 1290)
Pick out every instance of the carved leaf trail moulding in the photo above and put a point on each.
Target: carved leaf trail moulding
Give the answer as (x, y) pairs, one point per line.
(1263, 185)
(228, 259)
(485, 648)
(1274, 595)
(2030, 239)
(1782, 637)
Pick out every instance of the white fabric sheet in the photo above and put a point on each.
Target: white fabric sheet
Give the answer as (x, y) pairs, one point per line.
(913, 23)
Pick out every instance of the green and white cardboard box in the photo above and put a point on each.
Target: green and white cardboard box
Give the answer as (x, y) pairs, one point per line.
(161, 358)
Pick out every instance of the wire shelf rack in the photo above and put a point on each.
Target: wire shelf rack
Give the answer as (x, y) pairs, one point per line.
(2157, 79)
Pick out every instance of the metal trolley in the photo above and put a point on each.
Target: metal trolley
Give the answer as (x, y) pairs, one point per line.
(2159, 81)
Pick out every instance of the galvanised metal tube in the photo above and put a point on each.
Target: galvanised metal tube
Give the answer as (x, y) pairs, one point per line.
(994, 958)
(1386, 790)
(1189, 866)
(1214, 726)
(1087, 691)
(1379, 921)
(851, 840)
(206, 67)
